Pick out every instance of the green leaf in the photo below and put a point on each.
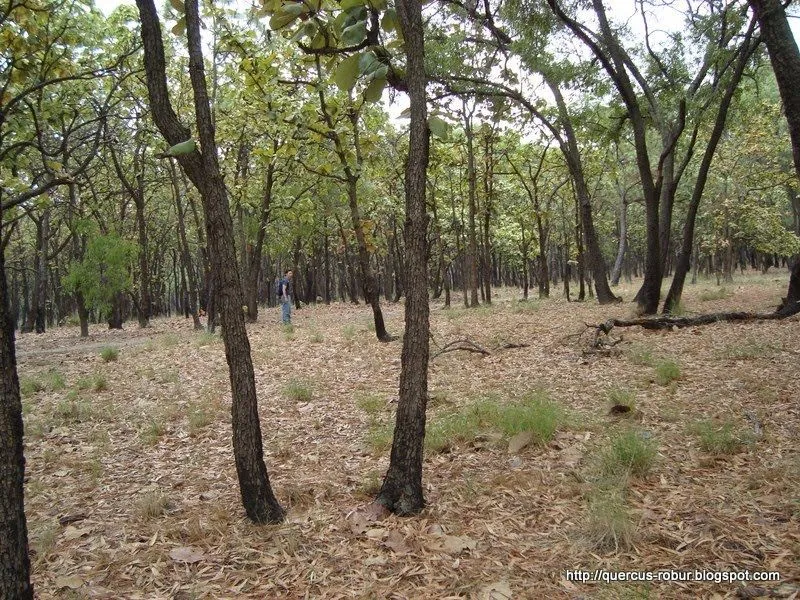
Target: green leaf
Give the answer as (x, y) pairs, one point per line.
(348, 4)
(355, 34)
(374, 90)
(439, 127)
(178, 5)
(378, 4)
(347, 72)
(180, 27)
(186, 147)
(286, 15)
(389, 21)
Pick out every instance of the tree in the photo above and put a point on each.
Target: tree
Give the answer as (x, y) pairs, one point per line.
(14, 562)
(202, 168)
(785, 58)
(401, 490)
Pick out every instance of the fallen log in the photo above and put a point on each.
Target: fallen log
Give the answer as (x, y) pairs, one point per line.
(668, 322)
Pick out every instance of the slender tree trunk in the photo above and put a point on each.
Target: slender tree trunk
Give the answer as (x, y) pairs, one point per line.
(687, 240)
(593, 254)
(402, 490)
(186, 256)
(254, 265)
(616, 272)
(258, 499)
(368, 283)
(144, 273)
(471, 265)
(15, 565)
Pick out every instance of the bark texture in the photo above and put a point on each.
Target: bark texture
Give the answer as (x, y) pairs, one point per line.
(401, 491)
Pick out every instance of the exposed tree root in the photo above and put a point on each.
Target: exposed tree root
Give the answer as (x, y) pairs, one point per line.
(465, 344)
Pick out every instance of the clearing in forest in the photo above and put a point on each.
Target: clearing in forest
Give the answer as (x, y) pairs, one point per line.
(676, 451)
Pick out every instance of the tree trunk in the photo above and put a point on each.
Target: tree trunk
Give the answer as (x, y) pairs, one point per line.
(367, 276)
(687, 241)
(471, 262)
(258, 499)
(402, 491)
(15, 567)
(616, 272)
(186, 256)
(144, 273)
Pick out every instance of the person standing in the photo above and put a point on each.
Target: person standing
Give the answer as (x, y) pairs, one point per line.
(285, 292)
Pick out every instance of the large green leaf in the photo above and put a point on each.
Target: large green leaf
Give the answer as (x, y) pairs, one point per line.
(180, 27)
(389, 21)
(348, 4)
(186, 147)
(439, 127)
(178, 5)
(347, 72)
(355, 34)
(374, 90)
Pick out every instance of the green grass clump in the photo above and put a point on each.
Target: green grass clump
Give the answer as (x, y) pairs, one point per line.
(52, 381)
(152, 505)
(316, 338)
(109, 353)
(74, 411)
(371, 404)
(640, 355)
(199, 418)
(629, 453)
(667, 371)
(718, 294)
(379, 437)
(299, 391)
(746, 350)
(534, 413)
(524, 306)
(621, 397)
(719, 438)
(152, 432)
(349, 332)
(609, 524)
(206, 338)
(169, 340)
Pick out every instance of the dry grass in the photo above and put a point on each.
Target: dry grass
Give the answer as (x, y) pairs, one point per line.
(521, 519)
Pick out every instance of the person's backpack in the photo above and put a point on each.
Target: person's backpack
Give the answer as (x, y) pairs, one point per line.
(278, 288)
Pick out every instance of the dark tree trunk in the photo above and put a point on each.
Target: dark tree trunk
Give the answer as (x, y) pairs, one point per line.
(791, 304)
(144, 273)
(15, 567)
(785, 59)
(402, 491)
(687, 241)
(115, 318)
(593, 254)
(186, 256)
(83, 314)
(36, 317)
(471, 256)
(254, 266)
(616, 272)
(258, 499)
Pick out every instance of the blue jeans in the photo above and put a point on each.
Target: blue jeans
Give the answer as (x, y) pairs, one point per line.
(286, 310)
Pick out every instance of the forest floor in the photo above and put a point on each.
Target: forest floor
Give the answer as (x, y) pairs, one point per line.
(132, 492)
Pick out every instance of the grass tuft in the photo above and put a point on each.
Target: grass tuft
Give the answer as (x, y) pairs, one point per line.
(622, 397)
(721, 293)
(152, 505)
(667, 371)
(371, 404)
(720, 438)
(152, 432)
(640, 355)
(609, 524)
(299, 391)
(630, 453)
(109, 353)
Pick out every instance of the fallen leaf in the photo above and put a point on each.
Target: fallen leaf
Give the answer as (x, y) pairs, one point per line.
(375, 561)
(456, 543)
(376, 533)
(396, 541)
(73, 533)
(186, 554)
(72, 582)
(519, 441)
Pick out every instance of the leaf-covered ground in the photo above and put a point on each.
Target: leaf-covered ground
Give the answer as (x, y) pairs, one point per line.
(131, 489)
